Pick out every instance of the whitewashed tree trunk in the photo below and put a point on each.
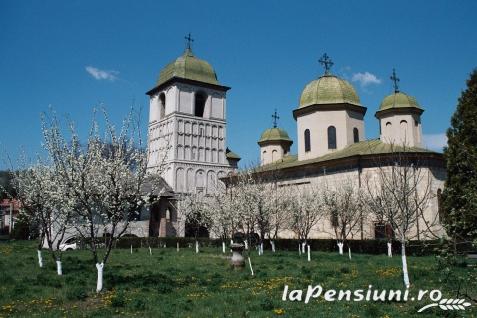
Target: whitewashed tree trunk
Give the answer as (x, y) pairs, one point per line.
(309, 256)
(40, 258)
(273, 246)
(349, 252)
(261, 248)
(390, 250)
(131, 248)
(246, 244)
(196, 247)
(150, 251)
(340, 248)
(223, 247)
(178, 246)
(404, 265)
(250, 263)
(58, 268)
(299, 249)
(99, 283)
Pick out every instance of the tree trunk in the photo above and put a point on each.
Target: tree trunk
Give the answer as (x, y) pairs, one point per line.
(390, 249)
(40, 259)
(196, 247)
(340, 247)
(404, 265)
(223, 247)
(99, 283)
(58, 268)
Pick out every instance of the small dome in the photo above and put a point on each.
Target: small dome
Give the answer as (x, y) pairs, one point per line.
(274, 134)
(329, 89)
(189, 67)
(398, 100)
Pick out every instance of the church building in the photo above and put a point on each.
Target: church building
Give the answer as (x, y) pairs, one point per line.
(332, 147)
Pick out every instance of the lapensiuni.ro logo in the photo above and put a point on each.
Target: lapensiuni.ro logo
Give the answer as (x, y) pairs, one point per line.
(370, 294)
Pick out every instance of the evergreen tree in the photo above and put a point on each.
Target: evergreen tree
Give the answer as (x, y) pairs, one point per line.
(460, 192)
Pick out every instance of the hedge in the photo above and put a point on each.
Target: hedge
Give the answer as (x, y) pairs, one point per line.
(413, 248)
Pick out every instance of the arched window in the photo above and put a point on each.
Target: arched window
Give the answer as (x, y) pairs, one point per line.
(355, 135)
(199, 106)
(307, 140)
(162, 105)
(331, 137)
(404, 135)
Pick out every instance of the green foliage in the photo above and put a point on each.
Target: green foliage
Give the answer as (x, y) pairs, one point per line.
(460, 192)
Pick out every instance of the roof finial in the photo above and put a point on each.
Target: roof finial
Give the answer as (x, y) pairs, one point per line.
(189, 40)
(395, 80)
(326, 62)
(275, 118)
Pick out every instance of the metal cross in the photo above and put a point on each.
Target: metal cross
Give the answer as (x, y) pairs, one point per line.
(189, 40)
(326, 62)
(395, 80)
(275, 118)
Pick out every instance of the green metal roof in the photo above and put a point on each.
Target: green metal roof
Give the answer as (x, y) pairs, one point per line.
(274, 134)
(329, 89)
(189, 67)
(398, 100)
(367, 147)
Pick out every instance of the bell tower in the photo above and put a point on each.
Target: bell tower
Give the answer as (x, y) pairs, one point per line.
(187, 125)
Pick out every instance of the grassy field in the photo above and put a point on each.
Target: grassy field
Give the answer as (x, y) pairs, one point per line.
(185, 284)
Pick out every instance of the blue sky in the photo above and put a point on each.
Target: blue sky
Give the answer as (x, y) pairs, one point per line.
(267, 51)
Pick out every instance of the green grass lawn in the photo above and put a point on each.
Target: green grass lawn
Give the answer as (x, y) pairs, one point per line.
(185, 284)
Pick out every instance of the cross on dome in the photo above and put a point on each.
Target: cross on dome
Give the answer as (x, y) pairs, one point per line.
(327, 63)
(275, 118)
(189, 40)
(395, 80)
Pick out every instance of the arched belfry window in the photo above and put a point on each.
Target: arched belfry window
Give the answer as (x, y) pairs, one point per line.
(355, 135)
(331, 137)
(162, 105)
(307, 140)
(199, 106)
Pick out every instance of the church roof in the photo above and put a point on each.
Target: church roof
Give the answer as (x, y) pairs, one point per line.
(329, 89)
(367, 147)
(398, 100)
(188, 66)
(229, 154)
(274, 134)
(156, 185)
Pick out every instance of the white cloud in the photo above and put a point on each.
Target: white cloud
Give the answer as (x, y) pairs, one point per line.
(435, 141)
(365, 79)
(102, 74)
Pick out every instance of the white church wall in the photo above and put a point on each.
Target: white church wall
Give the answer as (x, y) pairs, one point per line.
(400, 129)
(324, 228)
(354, 120)
(318, 123)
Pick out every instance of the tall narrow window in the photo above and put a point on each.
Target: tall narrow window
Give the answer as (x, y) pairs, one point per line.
(307, 140)
(162, 105)
(331, 137)
(355, 135)
(199, 106)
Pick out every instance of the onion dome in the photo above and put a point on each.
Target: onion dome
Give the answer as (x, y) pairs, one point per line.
(275, 135)
(187, 66)
(398, 100)
(329, 89)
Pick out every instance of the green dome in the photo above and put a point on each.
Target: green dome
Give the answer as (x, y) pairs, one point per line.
(189, 67)
(274, 134)
(398, 100)
(329, 89)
